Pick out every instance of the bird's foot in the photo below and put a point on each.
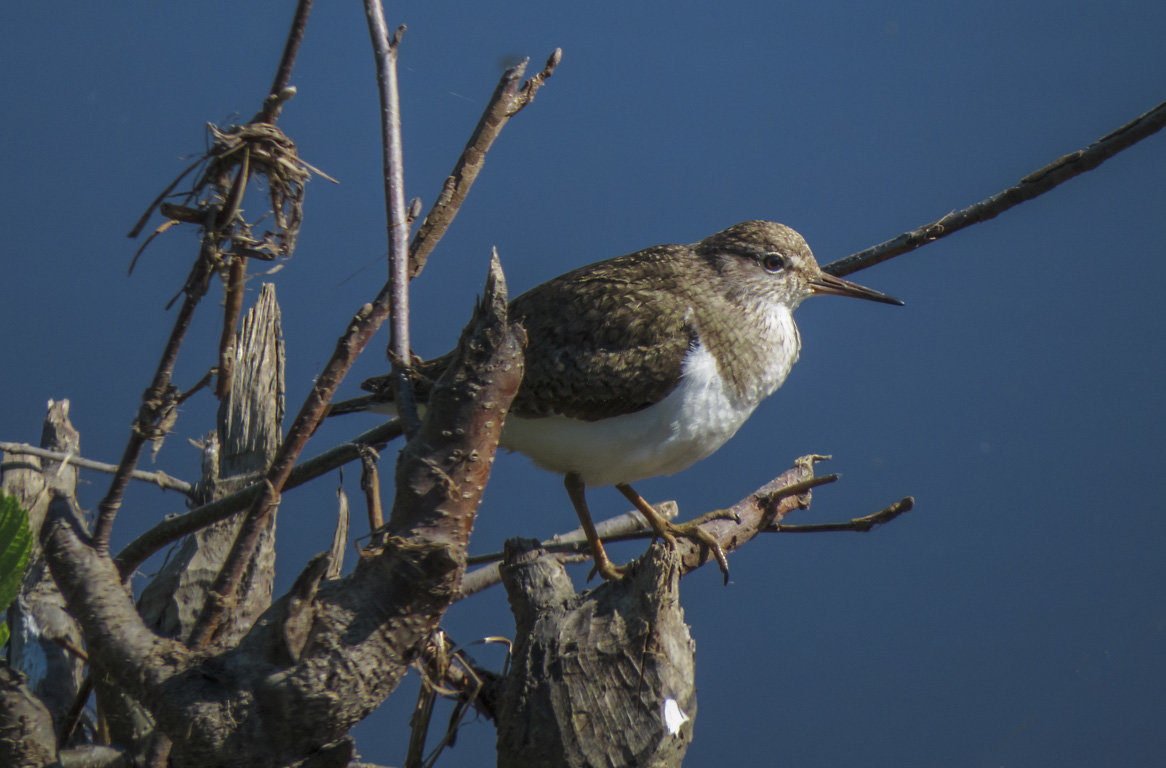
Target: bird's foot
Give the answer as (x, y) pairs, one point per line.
(608, 570)
(694, 533)
(669, 531)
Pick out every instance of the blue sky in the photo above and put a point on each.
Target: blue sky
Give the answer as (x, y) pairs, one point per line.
(1016, 617)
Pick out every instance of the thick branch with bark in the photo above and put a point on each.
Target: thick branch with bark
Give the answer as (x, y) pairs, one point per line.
(328, 652)
(604, 679)
(247, 435)
(44, 636)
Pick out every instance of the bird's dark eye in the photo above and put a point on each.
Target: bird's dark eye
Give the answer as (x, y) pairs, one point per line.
(773, 262)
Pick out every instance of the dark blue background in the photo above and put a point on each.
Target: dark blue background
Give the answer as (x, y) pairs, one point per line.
(1016, 617)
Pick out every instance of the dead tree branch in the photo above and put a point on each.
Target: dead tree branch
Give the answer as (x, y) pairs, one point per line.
(858, 524)
(158, 478)
(157, 402)
(328, 652)
(385, 51)
(1036, 183)
(278, 93)
(509, 97)
(174, 528)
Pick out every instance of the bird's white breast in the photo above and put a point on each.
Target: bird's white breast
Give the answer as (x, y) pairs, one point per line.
(692, 422)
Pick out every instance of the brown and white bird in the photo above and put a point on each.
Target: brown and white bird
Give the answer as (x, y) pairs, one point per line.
(644, 364)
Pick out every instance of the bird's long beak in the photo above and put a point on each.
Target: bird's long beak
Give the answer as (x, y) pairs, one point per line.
(827, 283)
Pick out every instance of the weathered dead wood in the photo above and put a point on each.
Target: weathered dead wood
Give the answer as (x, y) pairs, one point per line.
(26, 727)
(603, 679)
(322, 658)
(45, 639)
(510, 96)
(248, 432)
(606, 678)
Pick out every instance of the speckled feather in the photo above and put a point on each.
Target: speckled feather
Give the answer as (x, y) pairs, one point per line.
(611, 338)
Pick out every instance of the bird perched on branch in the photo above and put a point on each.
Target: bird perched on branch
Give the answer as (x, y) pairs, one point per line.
(644, 364)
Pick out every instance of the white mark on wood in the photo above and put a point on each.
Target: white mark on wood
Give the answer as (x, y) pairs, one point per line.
(674, 716)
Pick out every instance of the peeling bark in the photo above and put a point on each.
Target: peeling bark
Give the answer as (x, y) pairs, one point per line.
(249, 422)
(603, 679)
(323, 657)
(26, 726)
(42, 629)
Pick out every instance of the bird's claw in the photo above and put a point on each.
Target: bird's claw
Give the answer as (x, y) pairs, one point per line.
(693, 532)
(608, 570)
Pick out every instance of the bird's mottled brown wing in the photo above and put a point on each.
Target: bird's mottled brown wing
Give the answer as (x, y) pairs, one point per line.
(605, 340)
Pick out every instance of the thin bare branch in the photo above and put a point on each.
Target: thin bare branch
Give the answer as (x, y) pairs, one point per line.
(73, 716)
(232, 308)
(141, 222)
(156, 401)
(396, 213)
(509, 97)
(629, 525)
(858, 524)
(174, 528)
(1036, 183)
(572, 545)
(731, 527)
(371, 485)
(159, 478)
(295, 36)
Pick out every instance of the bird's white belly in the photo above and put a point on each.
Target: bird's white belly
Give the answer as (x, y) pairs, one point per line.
(692, 422)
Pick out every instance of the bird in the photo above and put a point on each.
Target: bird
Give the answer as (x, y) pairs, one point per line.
(644, 364)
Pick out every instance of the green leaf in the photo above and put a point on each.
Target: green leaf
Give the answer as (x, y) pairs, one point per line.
(15, 546)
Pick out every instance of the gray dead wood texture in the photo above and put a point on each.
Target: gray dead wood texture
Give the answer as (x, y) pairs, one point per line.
(42, 629)
(247, 436)
(327, 653)
(602, 679)
(27, 735)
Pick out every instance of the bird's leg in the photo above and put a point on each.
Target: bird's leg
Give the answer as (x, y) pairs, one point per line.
(576, 490)
(668, 530)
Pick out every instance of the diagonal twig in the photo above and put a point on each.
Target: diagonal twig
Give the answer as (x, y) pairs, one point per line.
(174, 528)
(509, 97)
(1036, 183)
(155, 401)
(295, 36)
(159, 478)
(858, 524)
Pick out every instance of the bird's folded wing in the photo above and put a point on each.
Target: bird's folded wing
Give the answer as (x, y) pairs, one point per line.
(604, 340)
(599, 353)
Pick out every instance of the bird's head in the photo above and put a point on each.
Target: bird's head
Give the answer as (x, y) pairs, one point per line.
(767, 258)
